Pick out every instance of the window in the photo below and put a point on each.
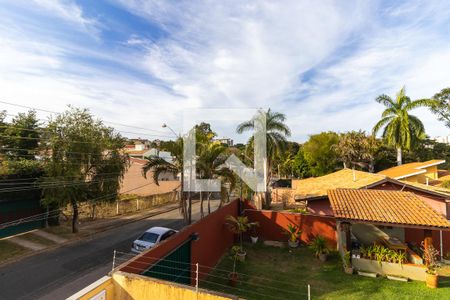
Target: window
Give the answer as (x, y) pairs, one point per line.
(149, 237)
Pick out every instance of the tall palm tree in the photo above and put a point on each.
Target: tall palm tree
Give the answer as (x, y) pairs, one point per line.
(401, 130)
(158, 166)
(277, 131)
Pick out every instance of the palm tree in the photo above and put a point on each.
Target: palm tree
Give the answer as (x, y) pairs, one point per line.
(210, 163)
(276, 131)
(158, 166)
(401, 130)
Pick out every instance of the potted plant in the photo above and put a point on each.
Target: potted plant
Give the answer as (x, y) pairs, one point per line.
(294, 233)
(430, 256)
(347, 258)
(319, 246)
(233, 277)
(239, 225)
(254, 233)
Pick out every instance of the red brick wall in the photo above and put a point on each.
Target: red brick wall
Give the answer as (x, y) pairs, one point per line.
(272, 225)
(215, 239)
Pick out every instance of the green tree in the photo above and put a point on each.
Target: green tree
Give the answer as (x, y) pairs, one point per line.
(356, 148)
(210, 165)
(401, 129)
(277, 131)
(21, 136)
(158, 166)
(300, 166)
(84, 161)
(441, 106)
(319, 153)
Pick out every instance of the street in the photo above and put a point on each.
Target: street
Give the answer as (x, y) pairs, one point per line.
(59, 273)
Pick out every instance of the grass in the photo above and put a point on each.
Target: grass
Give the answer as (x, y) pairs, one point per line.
(276, 273)
(61, 230)
(9, 250)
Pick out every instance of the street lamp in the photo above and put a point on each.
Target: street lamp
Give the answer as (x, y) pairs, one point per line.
(164, 125)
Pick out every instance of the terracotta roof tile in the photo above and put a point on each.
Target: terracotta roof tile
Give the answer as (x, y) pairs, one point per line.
(346, 178)
(410, 169)
(392, 207)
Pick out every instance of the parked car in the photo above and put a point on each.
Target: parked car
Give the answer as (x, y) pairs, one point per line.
(151, 237)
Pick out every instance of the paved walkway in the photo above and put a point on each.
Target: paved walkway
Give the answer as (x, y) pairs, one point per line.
(27, 244)
(49, 236)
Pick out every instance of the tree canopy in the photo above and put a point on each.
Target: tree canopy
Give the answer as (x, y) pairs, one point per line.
(85, 162)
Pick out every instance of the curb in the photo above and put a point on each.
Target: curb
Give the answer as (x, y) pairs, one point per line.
(83, 237)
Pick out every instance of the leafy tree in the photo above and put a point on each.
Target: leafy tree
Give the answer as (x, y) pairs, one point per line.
(356, 148)
(441, 107)
(300, 166)
(276, 131)
(401, 130)
(84, 161)
(319, 153)
(21, 136)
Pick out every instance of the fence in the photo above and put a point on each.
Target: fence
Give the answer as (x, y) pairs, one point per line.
(273, 224)
(130, 204)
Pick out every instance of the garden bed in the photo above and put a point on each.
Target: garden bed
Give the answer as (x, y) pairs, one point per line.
(274, 273)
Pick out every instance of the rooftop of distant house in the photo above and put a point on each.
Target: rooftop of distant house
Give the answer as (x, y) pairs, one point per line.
(345, 178)
(317, 187)
(410, 169)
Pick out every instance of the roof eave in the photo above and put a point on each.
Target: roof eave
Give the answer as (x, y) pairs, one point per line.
(412, 226)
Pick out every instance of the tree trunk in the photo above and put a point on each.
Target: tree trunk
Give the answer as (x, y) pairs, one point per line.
(201, 205)
(208, 195)
(93, 211)
(74, 217)
(399, 156)
(371, 167)
(190, 209)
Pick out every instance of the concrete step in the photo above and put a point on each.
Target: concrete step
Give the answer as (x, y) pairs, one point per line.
(27, 244)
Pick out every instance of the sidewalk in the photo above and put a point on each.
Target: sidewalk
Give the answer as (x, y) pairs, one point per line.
(24, 245)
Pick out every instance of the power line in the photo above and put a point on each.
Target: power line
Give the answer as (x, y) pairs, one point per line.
(39, 216)
(46, 131)
(58, 113)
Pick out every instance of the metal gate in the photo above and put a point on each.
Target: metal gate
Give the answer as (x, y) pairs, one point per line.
(175, 267)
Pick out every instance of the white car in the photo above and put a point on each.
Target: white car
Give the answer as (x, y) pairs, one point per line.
(151, 237)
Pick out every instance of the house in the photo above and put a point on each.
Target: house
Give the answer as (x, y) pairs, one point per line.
(395, 219)
(421, 172)
(135, 183)
(225, 141)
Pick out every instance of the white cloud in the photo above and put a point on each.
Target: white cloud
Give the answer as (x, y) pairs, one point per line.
(69, 11)
(237, 54)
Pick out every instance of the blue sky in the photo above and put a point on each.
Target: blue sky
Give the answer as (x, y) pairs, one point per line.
(144, 63)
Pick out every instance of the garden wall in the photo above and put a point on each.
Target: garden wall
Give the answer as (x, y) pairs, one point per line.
(128, 204)
(414, 272)
(272, 225)
(214, 240)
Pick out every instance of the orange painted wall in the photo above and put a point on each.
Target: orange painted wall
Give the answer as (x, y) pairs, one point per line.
(273, 224)
(215, 239)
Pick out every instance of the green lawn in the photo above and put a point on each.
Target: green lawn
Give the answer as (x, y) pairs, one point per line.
(276, 273)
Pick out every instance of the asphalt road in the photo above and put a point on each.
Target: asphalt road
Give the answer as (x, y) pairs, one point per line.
(59, 273)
